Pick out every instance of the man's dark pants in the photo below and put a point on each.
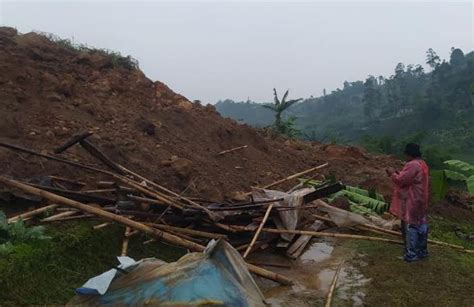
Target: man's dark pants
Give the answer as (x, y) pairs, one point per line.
(415, 238)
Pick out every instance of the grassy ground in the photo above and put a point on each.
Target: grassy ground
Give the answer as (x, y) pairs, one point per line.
(47, 272)
(445, 279)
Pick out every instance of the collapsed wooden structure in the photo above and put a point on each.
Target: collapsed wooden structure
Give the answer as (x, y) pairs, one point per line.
(143, 205)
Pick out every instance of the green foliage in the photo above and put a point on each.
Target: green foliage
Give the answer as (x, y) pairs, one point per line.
(117, 59)
(434, 155)
(461, 166)
(464, 172)
(284, 127)
(390, 110)
(452, 175)
(288, 128)
(361, 201)
(439, 184)
(372, 97)
(432, 59)
(48, 271)
(459, 171)
(375, 205)
(17, 233)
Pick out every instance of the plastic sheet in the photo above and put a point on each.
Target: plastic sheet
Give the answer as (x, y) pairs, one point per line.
(218, 276)
(288, 218)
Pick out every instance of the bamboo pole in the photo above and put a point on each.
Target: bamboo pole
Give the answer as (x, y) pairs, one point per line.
(188, 231)
(101, 225)
(147, 200)
(376, 229)
(75, 217)
(232, 150)
(270, 275)
(59, 216)
(292, 177)
(333, 285)
(277, 265)
(132, 233)
(31, 213)
(244, 246)
(148, 241)
(259, 229)
(132, 224)
(103, 214)
(213, 216)
(319, 234)
(77, 183)
(125, 242)
(295, 176)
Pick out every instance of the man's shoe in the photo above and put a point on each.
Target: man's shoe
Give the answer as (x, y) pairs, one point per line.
(411, 259)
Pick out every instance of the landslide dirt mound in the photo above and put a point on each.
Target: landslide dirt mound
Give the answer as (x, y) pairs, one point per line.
(49, 92)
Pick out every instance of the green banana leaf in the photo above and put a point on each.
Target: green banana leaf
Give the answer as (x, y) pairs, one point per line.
(453, 175)
(375, 205)
(461, 166)
(371, 194)
(470, 184)
(439, 184)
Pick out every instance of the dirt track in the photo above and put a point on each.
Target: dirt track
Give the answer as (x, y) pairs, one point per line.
(49, 93)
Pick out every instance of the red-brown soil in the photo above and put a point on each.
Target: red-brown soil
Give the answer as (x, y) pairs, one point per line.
(49, 93)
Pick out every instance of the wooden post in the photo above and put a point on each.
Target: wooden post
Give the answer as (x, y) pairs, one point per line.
(257, 233)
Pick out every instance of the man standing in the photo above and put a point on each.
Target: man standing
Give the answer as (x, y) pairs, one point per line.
(410, 202)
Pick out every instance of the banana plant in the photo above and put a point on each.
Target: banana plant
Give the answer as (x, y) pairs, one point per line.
(279, 106)
(461, 171)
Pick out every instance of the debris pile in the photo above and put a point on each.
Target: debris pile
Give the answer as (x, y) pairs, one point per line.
(143, 205)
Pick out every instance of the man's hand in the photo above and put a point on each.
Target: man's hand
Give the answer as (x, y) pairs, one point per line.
(389, 171)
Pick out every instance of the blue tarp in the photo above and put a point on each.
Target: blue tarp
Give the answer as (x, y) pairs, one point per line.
(218, 276)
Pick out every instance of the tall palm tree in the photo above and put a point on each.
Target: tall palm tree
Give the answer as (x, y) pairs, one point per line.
(279, 106)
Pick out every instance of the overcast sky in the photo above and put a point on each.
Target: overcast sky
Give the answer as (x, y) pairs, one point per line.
(217, 50)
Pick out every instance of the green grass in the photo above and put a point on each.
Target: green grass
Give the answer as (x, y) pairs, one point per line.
(47, 272)
(445, 279)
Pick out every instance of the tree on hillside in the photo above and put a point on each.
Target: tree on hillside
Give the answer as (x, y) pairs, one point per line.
(371, 98)
(432, 59)
(279, 106)
(457, 59)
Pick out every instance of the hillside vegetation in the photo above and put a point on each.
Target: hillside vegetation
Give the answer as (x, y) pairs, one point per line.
(434, 108)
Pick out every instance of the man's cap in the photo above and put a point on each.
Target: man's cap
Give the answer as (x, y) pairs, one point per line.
(412, 150)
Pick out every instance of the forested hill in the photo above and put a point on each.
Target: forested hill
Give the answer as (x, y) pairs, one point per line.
(435, 107)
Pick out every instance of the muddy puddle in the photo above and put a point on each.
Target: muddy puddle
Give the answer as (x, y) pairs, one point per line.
(313, 273)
